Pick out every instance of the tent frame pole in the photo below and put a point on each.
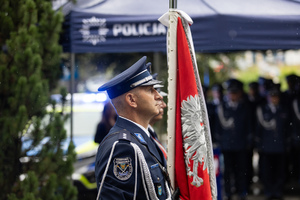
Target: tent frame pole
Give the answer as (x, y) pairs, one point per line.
(72, 88)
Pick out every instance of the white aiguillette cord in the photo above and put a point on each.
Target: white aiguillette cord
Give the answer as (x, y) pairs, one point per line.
(146, 175)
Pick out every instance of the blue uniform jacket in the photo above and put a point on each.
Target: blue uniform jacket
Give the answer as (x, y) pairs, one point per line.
(120, 179)
(273, 140)
(237, 136)
(295, 127)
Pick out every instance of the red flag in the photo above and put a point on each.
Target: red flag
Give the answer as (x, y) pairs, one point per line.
(191, 159)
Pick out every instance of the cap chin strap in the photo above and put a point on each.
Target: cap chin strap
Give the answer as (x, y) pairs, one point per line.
(146, 175)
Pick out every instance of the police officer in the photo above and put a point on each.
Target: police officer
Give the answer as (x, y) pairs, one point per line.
(107, 121)
(129, 164)
(217, 98)
(272, 136)
(291, 93)
(255, 99)
(157, 118)
(163, 105)
(233, 119)
(295, 137)
(264, 85)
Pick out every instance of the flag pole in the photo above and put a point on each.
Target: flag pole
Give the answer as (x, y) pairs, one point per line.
(173, 4)
(172, 76)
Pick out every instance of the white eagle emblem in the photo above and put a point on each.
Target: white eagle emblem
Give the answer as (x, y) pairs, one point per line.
(193, 138)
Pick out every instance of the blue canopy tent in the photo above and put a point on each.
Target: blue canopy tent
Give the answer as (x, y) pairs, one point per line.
(131, 26)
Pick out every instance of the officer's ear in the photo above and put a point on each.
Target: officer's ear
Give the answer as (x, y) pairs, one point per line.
(130, 99)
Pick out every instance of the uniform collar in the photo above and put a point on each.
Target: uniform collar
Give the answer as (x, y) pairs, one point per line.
(151, 128)
(140, 126)
(140, 133)
(272, 107)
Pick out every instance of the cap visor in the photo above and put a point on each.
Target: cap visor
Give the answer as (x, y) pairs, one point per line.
(158, 86)
(163, 94)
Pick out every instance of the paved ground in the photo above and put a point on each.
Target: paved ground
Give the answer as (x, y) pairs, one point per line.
(261, 197)
(249, 197)
(92, 196)
(292, 192)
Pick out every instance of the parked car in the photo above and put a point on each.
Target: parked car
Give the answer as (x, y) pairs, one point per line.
(87, 113)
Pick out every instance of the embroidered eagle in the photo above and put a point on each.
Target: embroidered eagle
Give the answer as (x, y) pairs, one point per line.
(193, 138)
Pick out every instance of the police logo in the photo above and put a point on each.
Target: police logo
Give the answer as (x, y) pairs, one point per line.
(94, 30)
(122, 168)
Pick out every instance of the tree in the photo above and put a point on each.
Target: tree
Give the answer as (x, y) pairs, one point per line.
(225, 64)
(29, 68)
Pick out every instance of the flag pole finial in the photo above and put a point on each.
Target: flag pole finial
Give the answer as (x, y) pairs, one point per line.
(173, 4)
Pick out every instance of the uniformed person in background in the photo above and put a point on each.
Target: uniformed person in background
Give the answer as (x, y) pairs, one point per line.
(290, 94)
(294, 156)
(253, 94)
(108, 119)
(255, 100)
(129, 164)
(271, 138)
(295, 137)
(157, 118)
(264, 85)
(233, 119)
(212, 104)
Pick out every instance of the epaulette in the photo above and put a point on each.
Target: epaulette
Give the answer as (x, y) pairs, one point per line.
(125, 135)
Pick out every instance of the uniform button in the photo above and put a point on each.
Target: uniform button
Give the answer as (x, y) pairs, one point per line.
(158, 178)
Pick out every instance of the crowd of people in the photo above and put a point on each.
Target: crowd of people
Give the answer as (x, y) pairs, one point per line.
(264, 120)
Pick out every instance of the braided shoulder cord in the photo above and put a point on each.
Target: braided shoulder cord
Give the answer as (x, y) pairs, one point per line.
(296, 109)
(147, 175)
(269, 125)
(106, 169)
(226, 123)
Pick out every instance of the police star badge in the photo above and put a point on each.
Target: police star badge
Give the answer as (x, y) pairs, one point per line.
(122, 168)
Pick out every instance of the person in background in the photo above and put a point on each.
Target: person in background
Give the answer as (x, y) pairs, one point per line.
(234, 133)
(254, 99)
(109, 117)
(290, 94)
(157, 118)
(292, 98)
(253, 94)
(217, 98)
(264, 85)
(271, 142)
(295, 138)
